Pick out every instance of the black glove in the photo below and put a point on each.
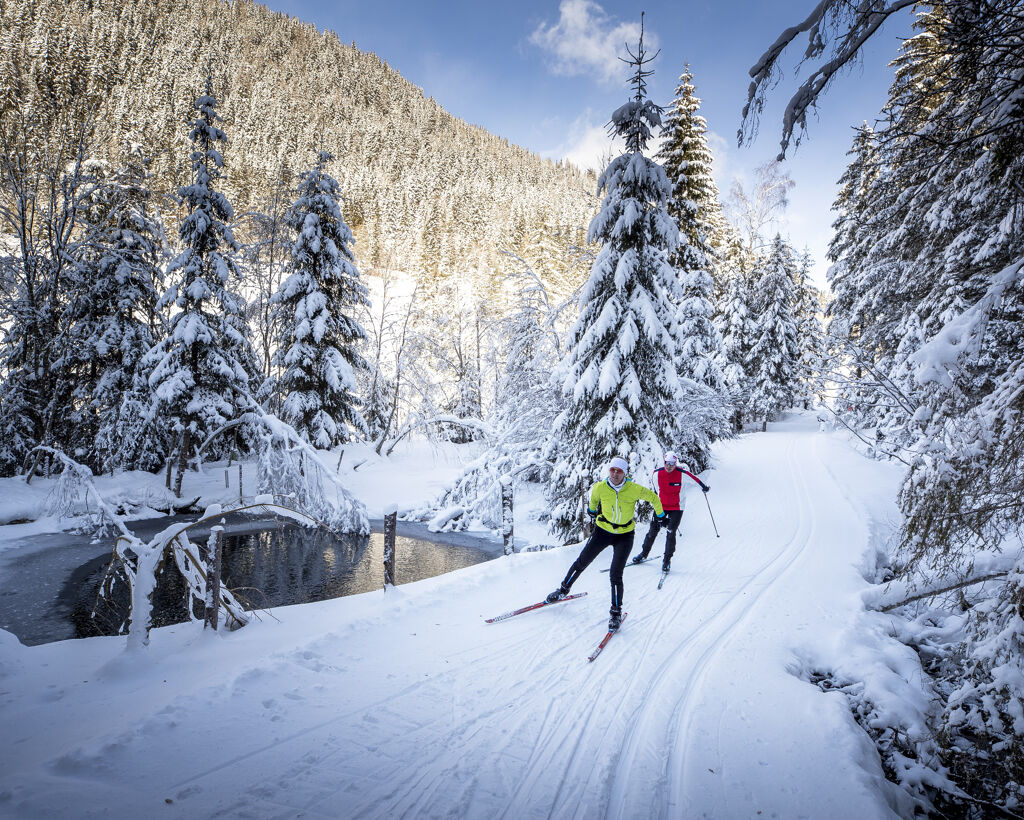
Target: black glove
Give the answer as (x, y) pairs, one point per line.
(705, 487)
(591, 513)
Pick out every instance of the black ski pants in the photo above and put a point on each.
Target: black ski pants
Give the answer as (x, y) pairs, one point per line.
(621, 543)
(671, 524)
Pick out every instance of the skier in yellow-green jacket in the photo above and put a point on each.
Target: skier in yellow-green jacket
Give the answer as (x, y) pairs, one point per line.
(613, 505)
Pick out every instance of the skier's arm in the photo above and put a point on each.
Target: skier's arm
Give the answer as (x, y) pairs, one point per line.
(650, 495)
(703, 486)
(594, 506)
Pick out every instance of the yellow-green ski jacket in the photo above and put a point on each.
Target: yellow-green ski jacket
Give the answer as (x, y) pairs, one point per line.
(615, 509)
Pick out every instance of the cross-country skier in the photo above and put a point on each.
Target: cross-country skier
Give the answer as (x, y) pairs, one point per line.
(613, 505)
(668, 480)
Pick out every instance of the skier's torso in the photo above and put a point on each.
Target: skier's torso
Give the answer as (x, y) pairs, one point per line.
(670, 486)
(616, 508)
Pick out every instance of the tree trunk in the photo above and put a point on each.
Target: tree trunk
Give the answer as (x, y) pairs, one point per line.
(186, 445)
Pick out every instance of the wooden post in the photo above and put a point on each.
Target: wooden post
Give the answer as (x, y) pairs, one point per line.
(390, 528)
(227, 478)
(215, 552)
(507, 519)
(240, 480)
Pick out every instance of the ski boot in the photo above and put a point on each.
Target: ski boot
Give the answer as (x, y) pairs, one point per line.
(665, 566)
(557, 595)
(639, 559)
(615, 619)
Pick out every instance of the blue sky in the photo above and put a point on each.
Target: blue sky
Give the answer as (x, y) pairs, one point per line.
(545, 75)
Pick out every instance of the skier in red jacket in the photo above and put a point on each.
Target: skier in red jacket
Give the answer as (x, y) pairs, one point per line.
(668, 481)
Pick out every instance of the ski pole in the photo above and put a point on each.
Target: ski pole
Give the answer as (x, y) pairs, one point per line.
(713, 524)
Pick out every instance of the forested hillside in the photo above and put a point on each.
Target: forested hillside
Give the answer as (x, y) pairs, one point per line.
(423, 190)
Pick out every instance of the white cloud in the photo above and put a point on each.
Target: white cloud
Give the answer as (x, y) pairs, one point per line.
(587, 144)
(586, 40)
(724, 167)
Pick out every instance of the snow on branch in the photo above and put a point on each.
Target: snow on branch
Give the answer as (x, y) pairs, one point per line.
(853, 26)
(962, 336)
(291, 469)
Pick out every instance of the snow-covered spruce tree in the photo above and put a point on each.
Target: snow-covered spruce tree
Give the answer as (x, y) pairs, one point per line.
(686, 159)
(203, 371)
(735, 322)
(318, 302)
(774, 355)
(619, 371)
(810, 338)
(847, 313)
(110, 321)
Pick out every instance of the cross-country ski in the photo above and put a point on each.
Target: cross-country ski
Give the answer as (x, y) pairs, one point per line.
(635, 563)
(532, 607)
(604, 641)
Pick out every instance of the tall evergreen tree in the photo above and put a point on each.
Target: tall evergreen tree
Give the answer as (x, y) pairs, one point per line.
(854, 309)
(318, 303)
(203, 371)
(736, 324)
(774, 355)
(807, 304)
(111, 318)
(619, 368)
(687, 160)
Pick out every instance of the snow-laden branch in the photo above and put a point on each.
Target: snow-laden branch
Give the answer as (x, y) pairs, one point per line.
(865, 20)
(963, 335)
(932, 593)
(290, 467)
(302, 479)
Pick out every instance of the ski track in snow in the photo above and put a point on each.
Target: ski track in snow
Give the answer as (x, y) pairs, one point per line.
(506, 720)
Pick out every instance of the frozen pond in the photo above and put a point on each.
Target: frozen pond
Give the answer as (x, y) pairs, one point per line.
(48, 583)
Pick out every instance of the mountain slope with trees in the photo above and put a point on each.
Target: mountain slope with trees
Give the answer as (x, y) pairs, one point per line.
(423, 190)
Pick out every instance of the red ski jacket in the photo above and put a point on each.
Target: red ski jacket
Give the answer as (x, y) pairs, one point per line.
(669, 486)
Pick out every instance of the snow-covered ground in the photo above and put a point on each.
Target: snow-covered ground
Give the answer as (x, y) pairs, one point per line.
(409, 705)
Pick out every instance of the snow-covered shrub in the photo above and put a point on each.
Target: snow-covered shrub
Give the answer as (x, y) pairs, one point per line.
(295, 474)
(982, 723)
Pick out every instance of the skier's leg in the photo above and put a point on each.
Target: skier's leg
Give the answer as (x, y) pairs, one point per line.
(672, 519)
(623, 545)
(599, 539)
(652, 533)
